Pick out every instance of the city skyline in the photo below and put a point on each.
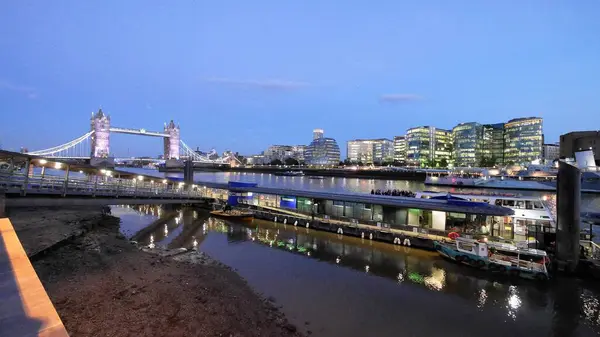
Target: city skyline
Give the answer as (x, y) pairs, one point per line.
(279, 72)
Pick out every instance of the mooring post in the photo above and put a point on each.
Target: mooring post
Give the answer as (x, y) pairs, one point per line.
(2, 204)
(568, 202)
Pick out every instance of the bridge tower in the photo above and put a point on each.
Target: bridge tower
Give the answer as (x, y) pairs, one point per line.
(100, 124)
(100, 145)
(172, 142)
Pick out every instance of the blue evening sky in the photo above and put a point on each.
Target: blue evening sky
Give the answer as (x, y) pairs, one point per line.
(242, 75)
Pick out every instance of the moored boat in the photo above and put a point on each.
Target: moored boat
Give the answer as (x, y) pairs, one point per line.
(290, 173)
(497, 257)
(233, 214)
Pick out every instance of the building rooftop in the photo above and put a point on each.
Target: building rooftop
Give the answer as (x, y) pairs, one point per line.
(456, 206)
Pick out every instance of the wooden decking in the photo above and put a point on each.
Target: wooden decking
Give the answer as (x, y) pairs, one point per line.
(25, 308)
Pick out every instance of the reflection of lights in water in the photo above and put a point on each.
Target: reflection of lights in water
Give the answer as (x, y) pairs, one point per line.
(400, 277)
(166, 230)
(271, 243)
(308, 253)
(177, 220)
(367, 268)
(437, 279)
(513, 302)
(338, 260)
(151, 238)
(482, 298)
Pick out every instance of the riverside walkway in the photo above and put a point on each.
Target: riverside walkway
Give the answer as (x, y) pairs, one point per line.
(26, 309)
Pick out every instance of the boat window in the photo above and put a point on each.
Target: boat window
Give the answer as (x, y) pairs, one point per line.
(520, 204)
(530, 257)
(507, 253)
(508, 203)
(537, 205)
(338, 203)
(528, 204)
(498, 202)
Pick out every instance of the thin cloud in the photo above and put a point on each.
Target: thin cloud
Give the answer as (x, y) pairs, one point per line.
(24, 90)
(399, 98)
(264, 84)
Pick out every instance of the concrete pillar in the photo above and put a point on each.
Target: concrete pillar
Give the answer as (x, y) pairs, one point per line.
(188, 173)
(568, 216)
(66, 185)
(28, 174)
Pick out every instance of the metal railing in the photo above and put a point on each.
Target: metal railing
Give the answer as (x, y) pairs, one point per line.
(98, 186)
(591, 249)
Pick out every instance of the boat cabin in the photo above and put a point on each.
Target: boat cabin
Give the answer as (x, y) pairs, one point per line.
(531, 215)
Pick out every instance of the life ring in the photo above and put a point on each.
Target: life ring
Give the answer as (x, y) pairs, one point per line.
(453, 235)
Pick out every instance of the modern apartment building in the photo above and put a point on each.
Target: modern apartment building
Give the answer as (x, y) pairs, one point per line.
(428, 146)
(370, 151)
(283, 152)
(298, 152)
(523, 139)
(400, 149)
(279, 152)
(322, 151)
(550, 153)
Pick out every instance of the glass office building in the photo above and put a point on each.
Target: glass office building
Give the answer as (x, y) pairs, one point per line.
(370, 151)
(523, 139)
(322, 151)
(400, 149)
(493, 143)
(428, 146)
(468, 143)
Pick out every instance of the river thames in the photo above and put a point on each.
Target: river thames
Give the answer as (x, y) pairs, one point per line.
(333, 285)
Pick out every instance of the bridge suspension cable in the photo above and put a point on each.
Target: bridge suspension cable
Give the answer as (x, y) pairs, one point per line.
(77, 148)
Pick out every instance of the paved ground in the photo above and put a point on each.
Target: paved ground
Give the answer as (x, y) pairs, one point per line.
(25, 308)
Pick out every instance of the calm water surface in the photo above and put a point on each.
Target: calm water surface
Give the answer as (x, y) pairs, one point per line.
(347, 286)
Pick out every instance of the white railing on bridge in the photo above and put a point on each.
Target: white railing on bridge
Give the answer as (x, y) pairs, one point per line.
(102, 186)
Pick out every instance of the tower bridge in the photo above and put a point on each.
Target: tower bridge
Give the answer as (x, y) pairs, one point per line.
(95, 145)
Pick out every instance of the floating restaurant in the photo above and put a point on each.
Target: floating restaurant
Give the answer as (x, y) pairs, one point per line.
(388, 218)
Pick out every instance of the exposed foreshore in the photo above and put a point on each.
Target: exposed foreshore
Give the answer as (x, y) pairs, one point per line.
(365, 174)
(101, 284)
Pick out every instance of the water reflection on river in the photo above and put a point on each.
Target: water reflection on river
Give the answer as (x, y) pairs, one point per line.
(351, 287)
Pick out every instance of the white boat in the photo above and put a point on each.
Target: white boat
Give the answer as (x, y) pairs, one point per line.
(497, 257)
(529, 211)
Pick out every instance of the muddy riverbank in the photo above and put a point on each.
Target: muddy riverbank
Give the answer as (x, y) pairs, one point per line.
(101, 285)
